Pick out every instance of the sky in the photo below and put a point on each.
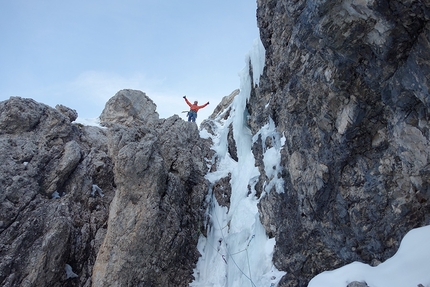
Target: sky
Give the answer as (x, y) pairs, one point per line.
(80, 53)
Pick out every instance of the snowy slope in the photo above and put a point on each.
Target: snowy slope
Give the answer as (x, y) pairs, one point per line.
(408, 267)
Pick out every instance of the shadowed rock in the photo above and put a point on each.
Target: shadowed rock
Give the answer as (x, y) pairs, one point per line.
(346, 83)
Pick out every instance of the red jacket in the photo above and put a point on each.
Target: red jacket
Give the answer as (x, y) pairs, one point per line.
(194, 107)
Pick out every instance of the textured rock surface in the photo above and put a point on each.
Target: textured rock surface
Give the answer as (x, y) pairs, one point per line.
(357, 284)
(129, 107)
(224, 104)
(127, 199)
(346, 83)
(48, 216)
(157, 212)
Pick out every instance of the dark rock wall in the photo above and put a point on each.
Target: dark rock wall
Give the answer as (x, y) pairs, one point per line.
(346, 83)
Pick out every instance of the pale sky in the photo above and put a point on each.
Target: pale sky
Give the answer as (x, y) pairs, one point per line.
(80, 53)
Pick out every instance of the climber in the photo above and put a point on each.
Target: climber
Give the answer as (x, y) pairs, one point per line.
(192, 114)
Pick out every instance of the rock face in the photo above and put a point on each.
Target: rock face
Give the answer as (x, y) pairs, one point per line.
(49, 218)
(90, 206)
(157, 212)
(346, 83)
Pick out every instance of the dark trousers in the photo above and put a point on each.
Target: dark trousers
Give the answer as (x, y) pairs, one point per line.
(192, 116)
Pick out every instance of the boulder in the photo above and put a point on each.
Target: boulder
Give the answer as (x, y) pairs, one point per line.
(129, 108)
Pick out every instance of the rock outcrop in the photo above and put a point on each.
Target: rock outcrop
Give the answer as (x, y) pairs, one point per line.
(346, 83)
(88, 206)
(156, 215)
(49, 218)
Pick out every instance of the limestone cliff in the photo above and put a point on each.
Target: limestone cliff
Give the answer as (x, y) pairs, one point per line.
(89, 206)
(346, 83)
(56, 185)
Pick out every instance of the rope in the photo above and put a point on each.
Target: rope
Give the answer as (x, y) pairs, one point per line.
(247, 256)
(231, 255)
(246, 249)
(249, 266)
(207, 241)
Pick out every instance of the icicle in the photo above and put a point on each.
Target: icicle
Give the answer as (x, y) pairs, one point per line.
(237, 251)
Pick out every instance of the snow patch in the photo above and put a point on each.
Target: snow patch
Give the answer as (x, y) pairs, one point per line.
(89, 122)
(69, 272)
(272, 155)
(379, 34)
(96, 190)
(408, 267)
(55, 195)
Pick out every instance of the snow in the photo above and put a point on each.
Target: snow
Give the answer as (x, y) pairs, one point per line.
(96, 190)
(69, 272)
(55, 195)
(89, 122)
(408, 267)
(237, 251)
